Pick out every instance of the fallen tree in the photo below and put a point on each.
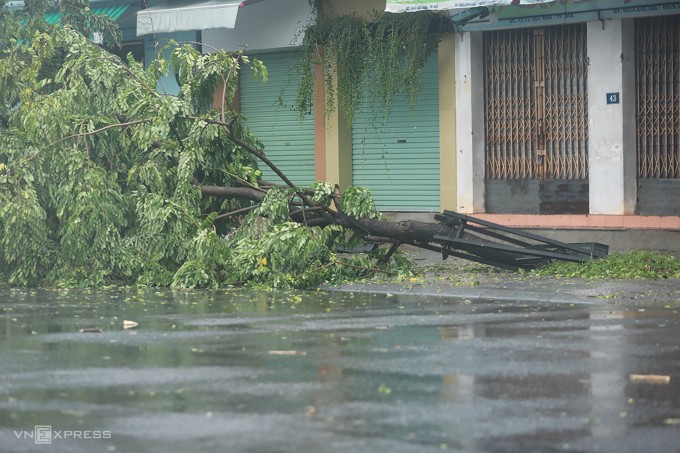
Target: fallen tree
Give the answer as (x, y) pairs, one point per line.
(105, 181)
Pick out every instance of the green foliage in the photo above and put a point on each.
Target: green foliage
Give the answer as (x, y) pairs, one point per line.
(25, 33)
(100, 174)
(378, 58)
(358, 202)
(270, 250)
(210, 257)
(78, 15)
(321, 191)
(97, 174)
(275, 205)
(636, 264)
(290, 255)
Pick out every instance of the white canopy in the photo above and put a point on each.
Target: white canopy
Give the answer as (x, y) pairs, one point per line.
(404, 6)
(170, 16)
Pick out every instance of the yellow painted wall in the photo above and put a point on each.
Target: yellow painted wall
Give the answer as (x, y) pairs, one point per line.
(334, 8)
(338, 147)
(447, 123)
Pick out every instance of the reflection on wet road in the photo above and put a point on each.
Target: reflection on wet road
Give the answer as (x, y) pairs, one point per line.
(267, 371)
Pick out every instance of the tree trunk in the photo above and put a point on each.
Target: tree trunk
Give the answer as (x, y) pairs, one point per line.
(245, 193)
(403, 231)
(408, 231)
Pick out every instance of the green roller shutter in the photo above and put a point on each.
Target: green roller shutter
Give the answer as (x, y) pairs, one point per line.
(398, 158)
(288, 142)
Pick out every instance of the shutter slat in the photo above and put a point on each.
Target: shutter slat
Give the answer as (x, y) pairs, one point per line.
(398, 159)
(288, 142)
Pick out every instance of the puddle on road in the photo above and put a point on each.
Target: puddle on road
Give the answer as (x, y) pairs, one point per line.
(262, 371)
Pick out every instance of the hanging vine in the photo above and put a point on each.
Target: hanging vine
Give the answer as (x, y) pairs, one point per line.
(376, 58)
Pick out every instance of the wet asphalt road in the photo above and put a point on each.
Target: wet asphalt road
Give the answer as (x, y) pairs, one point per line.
(337, 372)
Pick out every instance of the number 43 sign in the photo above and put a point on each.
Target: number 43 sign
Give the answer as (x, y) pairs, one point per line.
(613, 98)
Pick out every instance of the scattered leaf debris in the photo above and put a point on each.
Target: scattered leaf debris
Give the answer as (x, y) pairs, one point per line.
(91, 330)
(276, 352)
(127, 324)
(650, 378)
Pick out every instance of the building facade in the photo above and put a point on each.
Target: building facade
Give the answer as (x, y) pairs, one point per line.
(567, 118)
(561, 115)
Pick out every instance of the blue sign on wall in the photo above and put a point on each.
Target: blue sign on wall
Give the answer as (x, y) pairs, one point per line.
(613, 98)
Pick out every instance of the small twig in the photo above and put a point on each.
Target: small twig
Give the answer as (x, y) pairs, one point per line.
(80, 134)
(252, 150)
(650, 378)
(233, 54)
(277, 352)
(260, 155)
(303, 210)
(224, 96)
(85, 134)
(237, 212)
(244, 182)
(126, 69)
(150, 90)
(96, 131)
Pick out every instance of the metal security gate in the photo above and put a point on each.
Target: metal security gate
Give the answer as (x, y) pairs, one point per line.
(398, 157)
(536, 120)
(270, 115)
(657, 77)
(657, 41)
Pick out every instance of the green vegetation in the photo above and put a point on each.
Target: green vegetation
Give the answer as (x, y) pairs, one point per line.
(372, 58)
(104, 181)
(636, 264)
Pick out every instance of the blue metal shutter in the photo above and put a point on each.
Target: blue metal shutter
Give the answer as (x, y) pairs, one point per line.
(398, 159)
(288, 142)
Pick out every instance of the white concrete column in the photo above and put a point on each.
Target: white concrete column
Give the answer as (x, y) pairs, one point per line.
(469, 86)
(611, 133)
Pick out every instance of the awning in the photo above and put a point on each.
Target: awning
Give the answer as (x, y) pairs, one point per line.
(114, 12)
(172, 16)
(404, 6)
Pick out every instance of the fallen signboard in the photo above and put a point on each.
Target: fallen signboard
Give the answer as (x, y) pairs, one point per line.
(510, 248)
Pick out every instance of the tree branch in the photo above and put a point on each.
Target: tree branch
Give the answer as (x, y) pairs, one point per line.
(260, 155)
(237, 212)
(85, 134)
(232, 192)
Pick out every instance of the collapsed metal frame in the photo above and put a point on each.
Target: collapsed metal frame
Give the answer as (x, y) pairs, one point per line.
(497, 245)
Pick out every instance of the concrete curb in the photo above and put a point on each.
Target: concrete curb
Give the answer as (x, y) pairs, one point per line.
(475, 293)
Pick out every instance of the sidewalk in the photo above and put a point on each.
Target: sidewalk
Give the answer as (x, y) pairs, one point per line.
(459, 278)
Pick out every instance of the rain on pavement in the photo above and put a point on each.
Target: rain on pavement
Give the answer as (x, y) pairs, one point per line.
(259, 371)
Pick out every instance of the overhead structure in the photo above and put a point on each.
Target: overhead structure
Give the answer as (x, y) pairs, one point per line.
(485, 15)
(185, 15)
(408, 6)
